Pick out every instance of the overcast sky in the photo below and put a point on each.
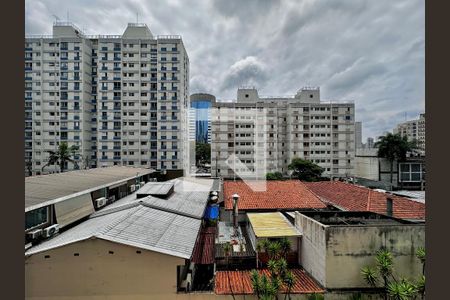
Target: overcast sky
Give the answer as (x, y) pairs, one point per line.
(369, 52)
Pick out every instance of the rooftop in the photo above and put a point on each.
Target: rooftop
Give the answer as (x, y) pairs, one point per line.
(189, 198)
(44, 190)
(284, 194)
(353, 218)
(272, 224)
(135, 225)
(239, 282)
(352, 197)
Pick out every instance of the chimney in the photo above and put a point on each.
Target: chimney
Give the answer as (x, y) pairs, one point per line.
(389, 206)
(235, 213)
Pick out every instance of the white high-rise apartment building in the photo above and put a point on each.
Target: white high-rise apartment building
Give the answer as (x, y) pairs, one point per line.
(414, 130)
(120, 98)
(301, 126)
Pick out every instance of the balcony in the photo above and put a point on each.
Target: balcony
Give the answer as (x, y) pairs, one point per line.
(116, 69)
(116, 138)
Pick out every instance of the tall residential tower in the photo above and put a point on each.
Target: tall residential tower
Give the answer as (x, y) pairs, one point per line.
(120, 98)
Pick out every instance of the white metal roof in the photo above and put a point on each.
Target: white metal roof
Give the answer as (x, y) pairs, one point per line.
(189, 198)
(155, 188)
(44, 190)
(136, 225)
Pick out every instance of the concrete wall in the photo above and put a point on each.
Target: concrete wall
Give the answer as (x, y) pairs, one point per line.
(334, 255)
(350, 248)
(312, 254)
(96, 274)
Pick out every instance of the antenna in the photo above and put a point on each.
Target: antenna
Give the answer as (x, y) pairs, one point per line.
(137, 17)
(67, 16)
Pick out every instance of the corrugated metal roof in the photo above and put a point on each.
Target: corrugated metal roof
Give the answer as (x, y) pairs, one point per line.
(239, 283)
(271, 225)
(189, 198)
(135, 225)
(156, 188)
(204, 248)
(47, 189)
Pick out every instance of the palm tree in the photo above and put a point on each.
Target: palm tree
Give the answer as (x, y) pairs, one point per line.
(273, 249)
(393, 147)
(285, 245)
(289, 282)
(256, 282)
(259, 247)
(384, 266)
(421, 256)
(63, 155)
(403, 290)
(370, 276)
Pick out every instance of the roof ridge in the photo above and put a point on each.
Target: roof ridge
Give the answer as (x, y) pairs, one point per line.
(312, 192)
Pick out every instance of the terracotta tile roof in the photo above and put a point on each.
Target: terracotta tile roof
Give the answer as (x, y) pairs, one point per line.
(241, 282)
(203, 252)
(357, 198)
(283, 194)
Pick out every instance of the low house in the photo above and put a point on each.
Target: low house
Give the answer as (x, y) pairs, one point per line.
(335, 246)
(135, 248)
(276, 195)
(351, 197)
(56, 201)
(273, 226)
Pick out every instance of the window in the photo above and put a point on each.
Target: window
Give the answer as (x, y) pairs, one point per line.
(36, 217)
(411, 172)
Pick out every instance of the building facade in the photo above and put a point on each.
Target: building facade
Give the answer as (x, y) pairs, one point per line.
(120, 98)
(200, 117)
(414, 130)
(265, 134)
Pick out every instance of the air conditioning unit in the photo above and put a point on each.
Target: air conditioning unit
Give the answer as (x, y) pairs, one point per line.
(132, 188)
(112, 198)
(142, 183)
(34, 234)
(100, 202)
(50, 230)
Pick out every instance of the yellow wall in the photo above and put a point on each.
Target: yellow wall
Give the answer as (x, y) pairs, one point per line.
(96, 274)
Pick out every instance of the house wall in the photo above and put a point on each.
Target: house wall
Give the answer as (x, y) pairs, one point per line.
(350, 248)
(96, 274)
(312, 254)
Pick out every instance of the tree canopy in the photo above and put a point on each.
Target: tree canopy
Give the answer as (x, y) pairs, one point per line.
(305, 170)
(394, 147)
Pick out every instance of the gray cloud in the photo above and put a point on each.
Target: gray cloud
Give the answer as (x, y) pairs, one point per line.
(371, 52)
(248, 71)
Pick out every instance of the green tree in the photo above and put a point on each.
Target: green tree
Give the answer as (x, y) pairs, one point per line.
(202, 153)
(274, 176)
(395, 289)
(305, 170)
(393, 147)
(280, 276)
(61, 156)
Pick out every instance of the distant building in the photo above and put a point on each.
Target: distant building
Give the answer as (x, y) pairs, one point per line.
(414, 130)
(122, 99)
(200, 117)
(370, 143)
(266, 133)
(374, 171)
